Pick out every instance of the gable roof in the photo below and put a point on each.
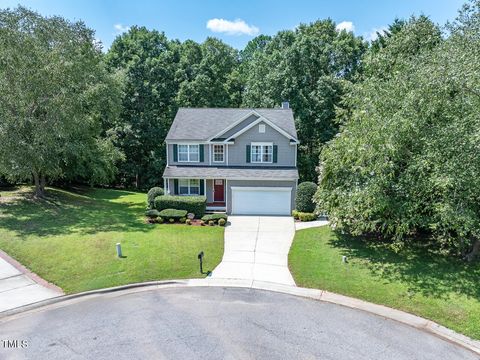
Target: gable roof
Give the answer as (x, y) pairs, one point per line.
(202, 124)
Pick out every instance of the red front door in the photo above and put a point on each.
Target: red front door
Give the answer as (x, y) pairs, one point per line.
(218, 190)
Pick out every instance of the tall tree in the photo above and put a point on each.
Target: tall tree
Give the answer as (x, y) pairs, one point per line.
(149, 61)
(309, 68)
(52, 82)
(407, 159)
(208, 75)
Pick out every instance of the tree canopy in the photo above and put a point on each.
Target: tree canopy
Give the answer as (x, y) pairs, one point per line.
(52, 82)
(407, 159)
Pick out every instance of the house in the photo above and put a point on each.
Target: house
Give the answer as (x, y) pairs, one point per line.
(243, 160)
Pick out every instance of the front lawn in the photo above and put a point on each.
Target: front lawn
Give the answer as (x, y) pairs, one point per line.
(69, 239)
(436, 287)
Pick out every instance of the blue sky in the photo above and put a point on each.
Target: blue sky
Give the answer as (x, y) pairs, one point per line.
(235, 22)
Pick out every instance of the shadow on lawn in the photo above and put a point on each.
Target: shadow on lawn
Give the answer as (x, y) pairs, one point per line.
(424, 272)
(83, 211)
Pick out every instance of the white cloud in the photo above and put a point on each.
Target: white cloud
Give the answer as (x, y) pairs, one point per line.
(119, 28)
(373, 34)
(236, 27)
(346, 25)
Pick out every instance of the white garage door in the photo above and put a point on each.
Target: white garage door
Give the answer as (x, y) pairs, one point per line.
(261, 200)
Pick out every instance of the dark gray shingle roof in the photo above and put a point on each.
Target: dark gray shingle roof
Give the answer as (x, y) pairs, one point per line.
(203, 123)
(230, 173)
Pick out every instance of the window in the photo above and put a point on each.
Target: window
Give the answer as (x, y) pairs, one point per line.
(189, 186)
(261, 128)
(188, 153)
(218, 153)
(262, 153)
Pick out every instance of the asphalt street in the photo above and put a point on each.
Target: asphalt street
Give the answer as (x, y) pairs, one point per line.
(213, 323)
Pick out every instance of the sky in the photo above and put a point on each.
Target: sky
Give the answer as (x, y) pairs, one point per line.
(234, 21)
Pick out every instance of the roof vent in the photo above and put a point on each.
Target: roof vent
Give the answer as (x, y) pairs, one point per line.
(285, 105)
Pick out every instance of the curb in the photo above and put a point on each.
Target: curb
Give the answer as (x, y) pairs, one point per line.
(30, 274)
(315, 294)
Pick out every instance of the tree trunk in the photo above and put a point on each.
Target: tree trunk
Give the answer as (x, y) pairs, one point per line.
(39, 190)
(43, 182)
(475, 250)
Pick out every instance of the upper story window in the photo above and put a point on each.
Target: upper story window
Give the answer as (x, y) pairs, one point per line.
(218, 153)
(188, 153)
(262, 152)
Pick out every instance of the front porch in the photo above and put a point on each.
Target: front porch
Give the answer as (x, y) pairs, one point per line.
(213, 189)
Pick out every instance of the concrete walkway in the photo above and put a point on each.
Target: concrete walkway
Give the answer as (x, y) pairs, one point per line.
(18, 287)
(310, 224)
(256, 249)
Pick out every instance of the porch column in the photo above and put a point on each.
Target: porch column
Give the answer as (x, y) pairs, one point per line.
(205, 187)
(165, 186)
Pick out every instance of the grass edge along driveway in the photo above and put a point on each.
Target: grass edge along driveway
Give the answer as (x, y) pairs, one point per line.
(69, 239)
(432, 286)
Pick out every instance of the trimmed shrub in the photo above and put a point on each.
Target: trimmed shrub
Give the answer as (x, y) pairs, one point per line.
(182, 220)
(214, 217)
(152, 194)
(192, 204)
(304, 198)
(173, 214)
(160, 220)
(304, 216)
(188, 222)
(171, 220)
(295, 214)
(222, 222)
(152, 213)
(211, 223)
(202, 223)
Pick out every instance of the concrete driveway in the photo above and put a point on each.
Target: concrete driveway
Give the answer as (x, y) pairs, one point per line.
(18, 287)
(256, 248)
(215, 323)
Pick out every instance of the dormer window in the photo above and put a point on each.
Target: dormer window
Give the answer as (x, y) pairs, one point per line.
(218, 153)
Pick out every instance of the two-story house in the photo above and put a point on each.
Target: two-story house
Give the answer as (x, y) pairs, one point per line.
(243, 160)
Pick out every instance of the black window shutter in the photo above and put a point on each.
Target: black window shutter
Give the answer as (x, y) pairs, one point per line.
(175, 186)
(175, 153)
(275, 153)
(202, 188)
(248, 153)
(202, 155)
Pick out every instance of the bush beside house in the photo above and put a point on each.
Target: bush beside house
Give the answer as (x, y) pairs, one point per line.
(304, 198)
(192, 204)
(152, 194)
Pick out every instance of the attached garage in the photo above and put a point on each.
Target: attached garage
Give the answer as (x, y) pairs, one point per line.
(261, 200)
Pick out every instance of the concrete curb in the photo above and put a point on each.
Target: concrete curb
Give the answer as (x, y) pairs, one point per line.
(319, 295)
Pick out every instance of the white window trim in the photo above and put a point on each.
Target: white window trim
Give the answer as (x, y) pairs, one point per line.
(223, 153)
(189, 181)
(188, 153)
(261, 144)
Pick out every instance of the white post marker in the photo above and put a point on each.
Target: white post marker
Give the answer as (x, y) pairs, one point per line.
(119, 250)
(344, 259)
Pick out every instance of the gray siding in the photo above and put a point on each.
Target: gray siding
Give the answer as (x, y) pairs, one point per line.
(205, 162)
(259, 183)
(240, 126)
(209, 192)
(237, 152)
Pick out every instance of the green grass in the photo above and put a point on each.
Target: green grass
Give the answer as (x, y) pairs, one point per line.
(433, 286)
(69, 239)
